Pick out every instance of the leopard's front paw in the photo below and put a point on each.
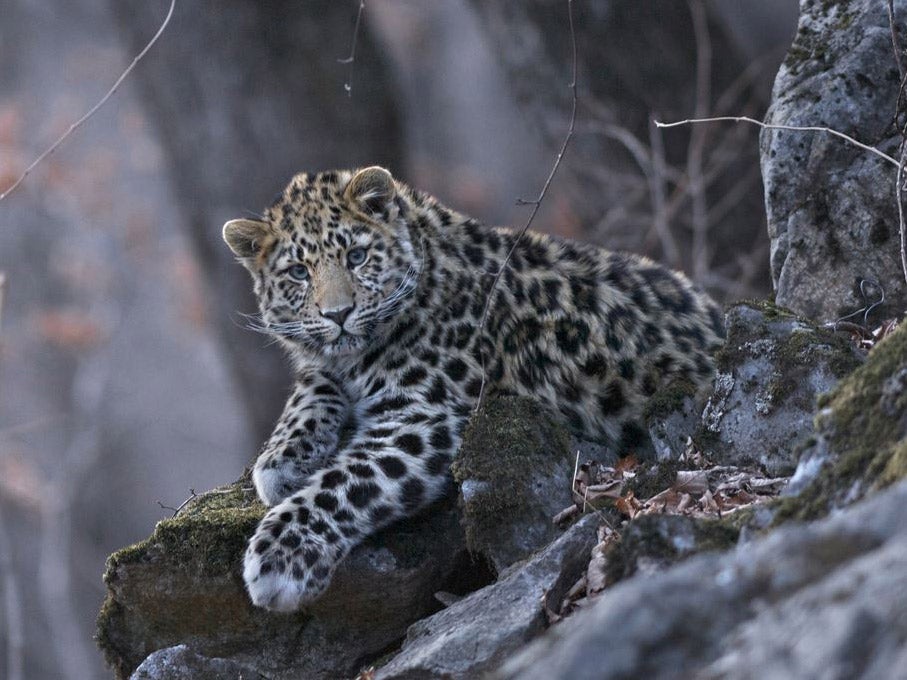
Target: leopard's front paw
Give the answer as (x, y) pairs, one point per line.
(291, 557)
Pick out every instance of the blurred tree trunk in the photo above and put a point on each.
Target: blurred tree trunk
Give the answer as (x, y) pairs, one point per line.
(244, 95)
(637, 61)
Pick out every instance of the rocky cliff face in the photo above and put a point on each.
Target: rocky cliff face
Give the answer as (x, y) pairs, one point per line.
(463, 589)
(832, 209)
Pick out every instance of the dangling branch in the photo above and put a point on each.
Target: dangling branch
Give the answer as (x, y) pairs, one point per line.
(899, 164)
(75, 126)
(536, 204)
(351, 60)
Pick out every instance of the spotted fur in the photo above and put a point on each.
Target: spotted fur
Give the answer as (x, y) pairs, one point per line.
(389, 348)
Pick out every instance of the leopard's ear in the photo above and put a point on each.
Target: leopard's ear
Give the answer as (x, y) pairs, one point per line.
(248, 238)
(371, 190)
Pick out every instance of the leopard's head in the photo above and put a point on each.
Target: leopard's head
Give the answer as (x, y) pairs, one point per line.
(333, 261)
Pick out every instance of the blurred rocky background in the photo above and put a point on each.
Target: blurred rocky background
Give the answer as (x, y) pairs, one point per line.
(126, 377)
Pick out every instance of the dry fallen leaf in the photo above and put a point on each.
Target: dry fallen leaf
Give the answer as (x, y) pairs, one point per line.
(626, 464)
(628, 505)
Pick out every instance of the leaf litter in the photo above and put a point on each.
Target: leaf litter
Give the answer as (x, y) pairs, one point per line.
(697, 488)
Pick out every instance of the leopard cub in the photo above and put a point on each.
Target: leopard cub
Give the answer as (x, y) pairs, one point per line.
(378, 291)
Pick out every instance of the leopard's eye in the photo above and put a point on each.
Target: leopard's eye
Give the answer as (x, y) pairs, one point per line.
(299, 272)
(356, 256)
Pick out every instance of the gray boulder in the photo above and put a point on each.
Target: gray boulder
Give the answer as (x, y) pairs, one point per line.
(181, 663)
(183, 586)
(476, 633)
(514, 470)
(860, 442)
(832, 212)
(770, 373)
(823, 600)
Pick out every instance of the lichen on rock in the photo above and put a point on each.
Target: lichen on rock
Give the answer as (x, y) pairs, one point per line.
(861, 434)
(831, 208)
(771, 370)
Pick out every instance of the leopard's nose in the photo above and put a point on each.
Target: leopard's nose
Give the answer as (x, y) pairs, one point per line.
(338, 316)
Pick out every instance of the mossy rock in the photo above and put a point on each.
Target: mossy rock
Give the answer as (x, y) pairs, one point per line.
(771, 370)
(861, 434)
(515, 471)
(204, 543)
(183, 585)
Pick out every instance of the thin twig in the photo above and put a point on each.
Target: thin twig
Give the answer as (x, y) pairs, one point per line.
(899, 180)
(351, 60)
(193, 495)
(867, 306)
(792, 128)
(536, 204)
(167, 507)
(849, 327)
(75, 126)
(902, 225)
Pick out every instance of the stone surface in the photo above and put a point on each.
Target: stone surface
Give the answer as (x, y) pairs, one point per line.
(514, 469)
(861, 435)
(652, 543)
(183, 586)
(476, 633)
(181, 663)
(835, 588)
(832, 213)
(770, 372)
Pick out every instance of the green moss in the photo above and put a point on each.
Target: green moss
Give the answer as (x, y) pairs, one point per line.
(502, 445)
(896, 465)
(668, 399)
(865, 442)
(207, 540)
(110, 612)
(207, 537)
(770, 310)
(794, 355)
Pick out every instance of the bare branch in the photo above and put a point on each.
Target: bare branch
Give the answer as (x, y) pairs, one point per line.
(351, 60)
(899, 192)
(899, 180)
(792, 128)
(167, 507)
(75, 126)
(536, 204)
